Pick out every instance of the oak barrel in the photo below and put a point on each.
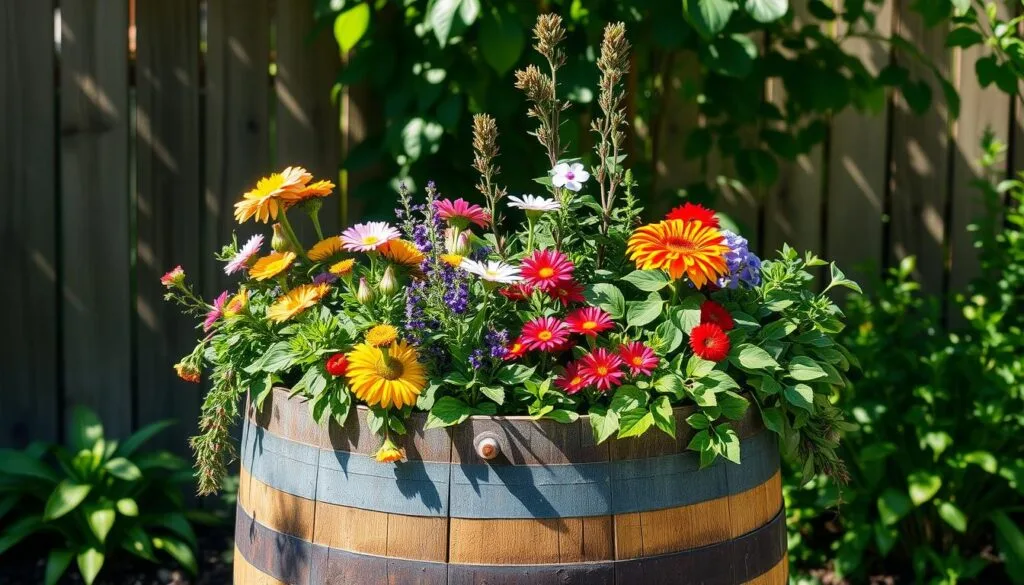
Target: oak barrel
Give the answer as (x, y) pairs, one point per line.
(552, 507)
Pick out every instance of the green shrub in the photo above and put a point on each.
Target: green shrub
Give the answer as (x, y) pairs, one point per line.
(95, 499)
(937, 465)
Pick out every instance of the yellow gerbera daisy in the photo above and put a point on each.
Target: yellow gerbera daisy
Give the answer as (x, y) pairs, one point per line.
(386, 376)
(296, 301)
(680, 247)
(453, 260)
(389, 452)
(237, 304)
(324, 249)
(264, 202)
(271, 265)
(403, 253)
(381, 335)
(343, 268)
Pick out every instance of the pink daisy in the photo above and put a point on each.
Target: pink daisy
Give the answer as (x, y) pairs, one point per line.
(241, 259)
(545, 334)
(215, 311)
(365, 237)
(460, 213)
(602, 368)
(568, 293)
(517, 292)
(547, 269)
(589, 321)
(572, 381)
(639, 358)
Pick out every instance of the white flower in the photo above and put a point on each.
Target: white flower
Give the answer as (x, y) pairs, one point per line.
(534, 203)
(492, 271)
(569, 176)
(241, 259)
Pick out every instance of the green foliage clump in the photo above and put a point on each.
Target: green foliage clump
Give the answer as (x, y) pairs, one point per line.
(96, 499)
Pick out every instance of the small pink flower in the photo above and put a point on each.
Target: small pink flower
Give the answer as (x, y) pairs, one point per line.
(241, 259)
(602, 368)
(589, 321)
(215, 311)
(176, 277)
(460, 213)
(639, 358)
(365, 237)
(545, 334)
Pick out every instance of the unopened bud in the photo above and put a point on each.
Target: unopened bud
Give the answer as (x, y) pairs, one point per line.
(364, 295)
(279, 242)
(457, 241)
(388, 283)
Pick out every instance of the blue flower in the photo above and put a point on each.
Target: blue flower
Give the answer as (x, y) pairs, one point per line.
(744, 266)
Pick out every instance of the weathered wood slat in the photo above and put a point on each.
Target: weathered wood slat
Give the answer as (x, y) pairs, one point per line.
(29, 402)
(680, 117)
(167, 143)
(94, 211)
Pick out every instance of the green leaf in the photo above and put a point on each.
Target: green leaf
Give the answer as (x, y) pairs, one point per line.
(641, 313)
(729, 443)
(805, 369)
(141, 436)
(800, 396)
(100, 520)
(664, 418)
(447, 411)
(698, 420)
(604, 423)
(731, 55)
(56, 565)
(18, 463)
(628, 398)
(769, 386)
(563, 416)
(127, 507)
(469, 10)
(351, 25)
(495, 393)
(441, 17)
(923, 486)
(670, 337)
(514, 374)
(698, 367)
(700, 441)
(260, 388)
(893, 505)
(839, 279)
(671, 384)
(501, 42)
(179, 551)
(647, 280)
(123, 469)
(952, 516)
(178, 524)
(773, 419)
(964, 36)
(752, 358)
(90, 562)
(766, 10)
(86, 429)
(708, 17)
(733, 405)
(19, 530)
(1010, 541)
(778, 329)
(608, 297)
(633, 423)
(137, 542)
(697, 144)
(65, 498)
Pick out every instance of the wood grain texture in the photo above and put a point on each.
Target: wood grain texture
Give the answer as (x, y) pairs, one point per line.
(167, 143)
(279, 511)
(777, 575)
(920, 158)
(645, 534)
(94, 211)
(380, 533)
(530, 541)
(29, 404)
(237, 123)
(246, 574)
(755, 507)
(858, 168)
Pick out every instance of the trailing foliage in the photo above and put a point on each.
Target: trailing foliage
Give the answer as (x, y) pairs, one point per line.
(96, 499)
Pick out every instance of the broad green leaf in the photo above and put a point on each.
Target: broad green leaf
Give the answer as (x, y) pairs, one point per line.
(839, 279)
(180, 551)
(100, 520)
(514, 374)
(800, 396)
(733, 405)
(698, 420)
(708, 17)
(923, 485)
(18, 463)
(18, 530)
(670, 337)
(700, 441)
(65, 498)
(778, 329)
(469, 10)
(952, 515)
(628, 398)
(501, 41)
(664, 418)
(641, 313)
(56, 564)
(773, 419)
(964, 36)
(562, 415)
(983, 459)
(697, 367)
(608, 297)
(137, 542)
(90, 561)
(351, 25)
(893, 505)
(805, 369)
(123, 469)
(647, 280)
(729, 443)
(885, 537)
(447, 411)
(752, 358)
(718, 381)
(603, 422)
(86, 429)
(495, 393)
(139, 437)
(671, 384)
(441, 18)
(127, 507)
(1010, 541)
(766, 10)
(686, 314)
(178, 524)
(731, 55)
(633, 423)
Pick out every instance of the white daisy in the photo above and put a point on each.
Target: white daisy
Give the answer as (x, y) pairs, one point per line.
(364, 237)
(492, 271)
(534, 203)
(569, 176)
(241, 259)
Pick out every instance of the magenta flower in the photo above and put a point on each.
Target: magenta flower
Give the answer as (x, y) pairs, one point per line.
(215, 311)
(460, 213)
(639, 358)
(365, 237)
(241, 259)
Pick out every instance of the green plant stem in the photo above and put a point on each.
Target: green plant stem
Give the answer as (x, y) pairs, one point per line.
(314, 216)
(529, 237)
(290, 234)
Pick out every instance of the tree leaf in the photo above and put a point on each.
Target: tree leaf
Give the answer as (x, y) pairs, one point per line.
(90, 561)
(766, 10)
(708, 17)
(501, 42)
(65, 498)
(964, 36)
(441, 17)
(923, 486)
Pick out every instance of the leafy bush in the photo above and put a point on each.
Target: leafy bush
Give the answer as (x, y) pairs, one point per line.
(937, 466)
(96, 499)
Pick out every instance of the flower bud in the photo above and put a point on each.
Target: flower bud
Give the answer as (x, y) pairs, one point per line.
(364, 295)
(173, 279)
(389, 452)
(388, 283)
(457, 241)
(337, 365)
(187, 371)
(279, 243)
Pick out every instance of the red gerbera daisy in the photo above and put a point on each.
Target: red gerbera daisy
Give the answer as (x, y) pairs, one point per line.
(639, 358)
(337, 365)
(516, 349)
(589, 321)
(460, 212)
(694, 212)
(545, 334)
(602, 368)
(546, 269)
(712, 312)
(517, 292)
(568, 293)
(709, 342)
(572, 381)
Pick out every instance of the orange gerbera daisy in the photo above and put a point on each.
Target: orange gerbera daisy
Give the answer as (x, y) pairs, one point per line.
(403, 253)
(271, 265)
(324, 249)
(296, 301)
(342, 268)
(302, 193)
(264, 202)
(680, 247)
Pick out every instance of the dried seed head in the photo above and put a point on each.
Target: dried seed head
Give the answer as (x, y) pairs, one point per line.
(535, 85)
(485, 136)
(614, 49)
(549, 32)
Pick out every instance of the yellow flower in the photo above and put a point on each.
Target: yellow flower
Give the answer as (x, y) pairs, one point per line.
(453, 260)
(324, 249)
(403, 253)
(237, 304)
(386, 376)
(381, 335)
(264, 202)
(317, 189)
(680, 247)
(271, 265)
(296, 301)
(343, 268)
(389, 452)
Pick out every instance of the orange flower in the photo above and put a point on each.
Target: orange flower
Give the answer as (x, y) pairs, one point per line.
(264, 202)
(296, 301)
(324, 249)
(317, 189)
(271, 265)
(403, 253)
(680, 248)
(342, 268)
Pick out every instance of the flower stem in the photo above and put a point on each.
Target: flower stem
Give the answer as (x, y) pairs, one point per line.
(529, 237)
(314, 216)
(290, 234)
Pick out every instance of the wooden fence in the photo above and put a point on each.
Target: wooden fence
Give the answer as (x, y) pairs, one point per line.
(119, 160)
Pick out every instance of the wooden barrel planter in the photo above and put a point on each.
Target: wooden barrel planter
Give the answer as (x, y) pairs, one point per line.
(551, 507)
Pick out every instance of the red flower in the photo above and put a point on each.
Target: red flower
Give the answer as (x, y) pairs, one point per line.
(694, 212)
(545, 334)
(516, 349)
(589, 321)
(337, 365)
(639, 358)
(568, 293)
(709, 342)
(460, 213)
(712, 312)
(572, 381)
(602, 368)
(546, 269)
(174, 277)
(517, 292)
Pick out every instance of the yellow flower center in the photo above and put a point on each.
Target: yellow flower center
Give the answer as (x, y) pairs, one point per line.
(602, 371)
(545, 335)
(370, 240)
(637, 361)
(388, 368)
(576, 381)
(516, 348)
(381, 335)
(546, 272)
(680, 245)
(588, 325)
